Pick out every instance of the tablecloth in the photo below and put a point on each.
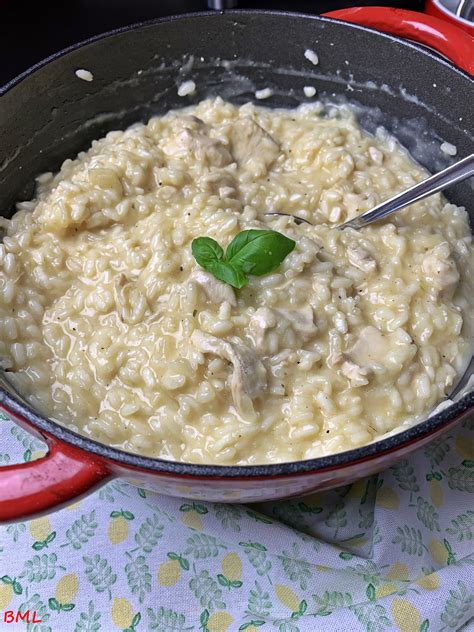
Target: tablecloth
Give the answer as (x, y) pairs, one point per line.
(391, 552)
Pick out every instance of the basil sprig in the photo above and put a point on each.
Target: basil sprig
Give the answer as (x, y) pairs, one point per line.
(255, 252)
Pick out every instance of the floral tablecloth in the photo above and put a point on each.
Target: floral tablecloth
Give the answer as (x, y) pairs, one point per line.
(391, 552)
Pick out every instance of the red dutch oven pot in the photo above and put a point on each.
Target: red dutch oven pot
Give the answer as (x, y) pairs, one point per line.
(42, 116)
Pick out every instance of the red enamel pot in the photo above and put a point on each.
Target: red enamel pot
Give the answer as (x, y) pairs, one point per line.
(47, 114)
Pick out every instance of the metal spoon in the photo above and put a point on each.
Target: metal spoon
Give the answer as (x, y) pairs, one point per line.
(455, 173)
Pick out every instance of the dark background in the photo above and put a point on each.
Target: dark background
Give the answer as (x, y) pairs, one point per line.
(30, 31)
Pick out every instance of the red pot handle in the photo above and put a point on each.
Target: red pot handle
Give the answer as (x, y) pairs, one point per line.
(64, 474)
(447, 39)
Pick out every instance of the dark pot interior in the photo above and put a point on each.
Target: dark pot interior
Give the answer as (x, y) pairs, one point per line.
(48, 114)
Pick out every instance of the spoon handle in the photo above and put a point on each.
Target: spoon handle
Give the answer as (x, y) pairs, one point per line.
(442, 180)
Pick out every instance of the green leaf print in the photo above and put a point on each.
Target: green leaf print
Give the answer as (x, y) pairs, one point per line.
(286, 625)
(197, 507)
(463, 526)
(296, 569)
(138, 576)
(468, 463)
(369, 571)
(376, 535)
(207, 591)
(99, 573)
(11, 581)
(202, 546)
(337, 518)
(41, 567)
(372, 616)
(88, 621)
(15, 530)
(229, 515)
(148, 534)
(228, 583)
(257, 556)
(331, 601)
(404, 474)
(166, 620)
(461, 479)
(304, 508)
(259, 604)
(27, 440)
(437, 450)
(259, 517)
(81, 531)
(457, 609)
(4, 458)
(370, 592)
(182, 561)
(256, 623)
(106, 493)
(410, 540)
(427, 514)
(425, 626)
(34, 604)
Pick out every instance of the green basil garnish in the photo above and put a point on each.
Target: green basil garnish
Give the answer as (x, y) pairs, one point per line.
(255, 252)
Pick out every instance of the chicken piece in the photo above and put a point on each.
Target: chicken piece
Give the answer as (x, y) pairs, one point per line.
(357, 375)
(130, 300)
(192, 137)
(219, 183)
(263, 320)
(216, 291)
(440, 268)
(384, 352)
(249, 376)
(301, 320)
(361, 259)
(252, 147)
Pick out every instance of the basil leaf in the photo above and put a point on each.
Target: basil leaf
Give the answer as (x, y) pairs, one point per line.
(227, 273)
(206, 250)
(258, 252)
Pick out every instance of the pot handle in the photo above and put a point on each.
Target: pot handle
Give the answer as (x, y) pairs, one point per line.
(65, 473)
(445, 38)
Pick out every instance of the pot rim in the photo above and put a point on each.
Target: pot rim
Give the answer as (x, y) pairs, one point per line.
(435, 423)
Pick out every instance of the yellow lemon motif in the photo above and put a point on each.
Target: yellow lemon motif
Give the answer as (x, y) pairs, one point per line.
(436, 493)
(356, 541)
(192, 519)
(169, 573)
(429, 582)
(6, 594)
(398, 572)
(384, 590)
(74, 506)
(357, 490)
(122, 613)
(387, 498)
(232, 567)
(39, 454)
(438, 552)
(406, 616)
(287, 597)
(66, 588)
(465, 447)
(118, 530)
(40, 529)
(219, 622)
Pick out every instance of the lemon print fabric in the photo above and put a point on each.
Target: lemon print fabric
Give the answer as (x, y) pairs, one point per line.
(388, 553)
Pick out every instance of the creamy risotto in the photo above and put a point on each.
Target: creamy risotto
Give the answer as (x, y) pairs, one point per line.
(109, 325)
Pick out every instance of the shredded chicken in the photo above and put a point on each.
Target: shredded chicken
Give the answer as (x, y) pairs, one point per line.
(252, 147)
(301, 320)
(360, 258)
(358, 376)
(373, 349)
(216, 291)
(249, 376)
(192, 137)
(440, 268)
